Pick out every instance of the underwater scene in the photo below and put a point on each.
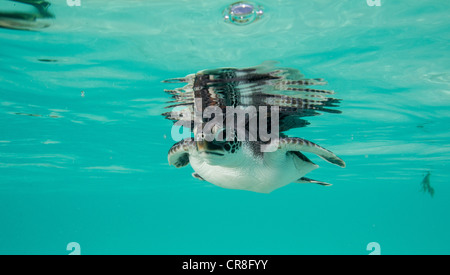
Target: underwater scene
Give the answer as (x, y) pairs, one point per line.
(273, 127)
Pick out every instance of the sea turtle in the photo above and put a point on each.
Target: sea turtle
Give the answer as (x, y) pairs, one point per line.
(238, 163)
(242, 165)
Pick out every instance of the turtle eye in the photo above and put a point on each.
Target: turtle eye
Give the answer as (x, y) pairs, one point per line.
(201, 136)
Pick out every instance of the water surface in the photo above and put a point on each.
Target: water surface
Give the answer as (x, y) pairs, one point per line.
(83, 147)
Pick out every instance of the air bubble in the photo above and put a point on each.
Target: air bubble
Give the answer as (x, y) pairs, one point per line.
(243, 13)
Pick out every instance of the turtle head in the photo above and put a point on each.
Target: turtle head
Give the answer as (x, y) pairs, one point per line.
(217, 143)
(210, 147)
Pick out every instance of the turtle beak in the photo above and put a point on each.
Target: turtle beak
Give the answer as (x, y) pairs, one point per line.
(209, 147)
(201, 145)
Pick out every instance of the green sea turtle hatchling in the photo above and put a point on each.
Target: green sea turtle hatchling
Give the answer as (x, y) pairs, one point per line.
(237, 163)
(242, 165)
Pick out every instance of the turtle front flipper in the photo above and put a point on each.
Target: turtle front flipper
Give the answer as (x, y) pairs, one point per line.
(303, 145)
(179, 153)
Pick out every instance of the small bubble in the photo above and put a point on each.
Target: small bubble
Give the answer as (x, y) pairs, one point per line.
(242, 13)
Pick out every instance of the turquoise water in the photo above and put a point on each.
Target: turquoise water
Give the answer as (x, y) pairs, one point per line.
(83, 147)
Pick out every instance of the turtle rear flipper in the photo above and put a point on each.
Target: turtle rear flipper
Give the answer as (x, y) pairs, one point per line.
(197, 176)
(308, 180)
